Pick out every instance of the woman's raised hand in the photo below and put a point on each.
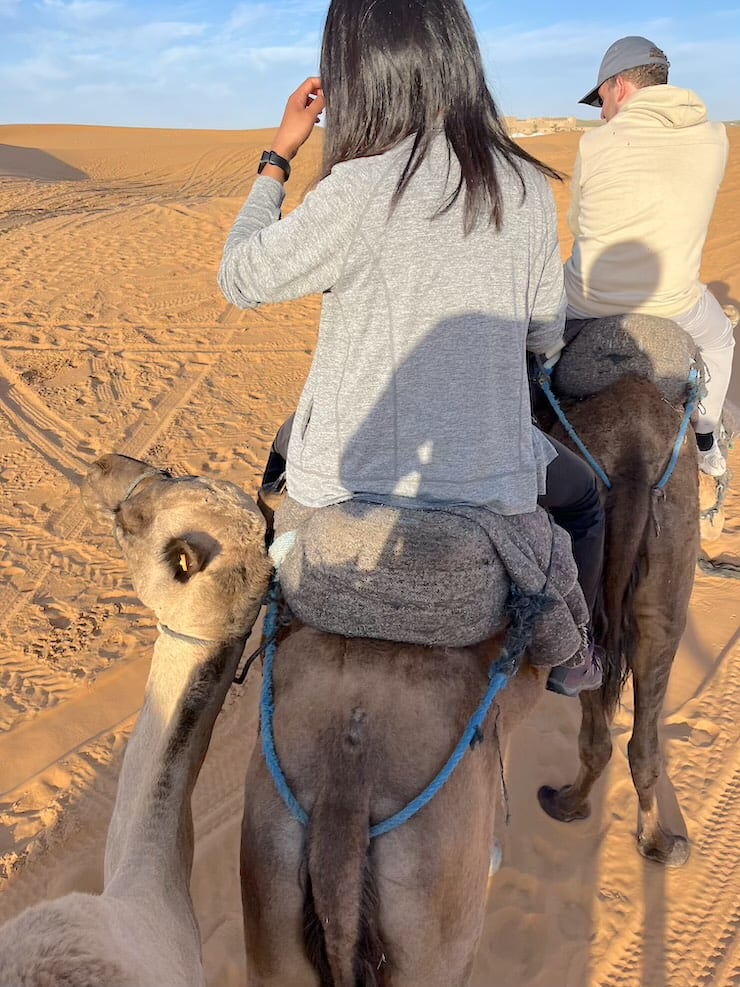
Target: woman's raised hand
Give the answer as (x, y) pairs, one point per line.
(301, 116)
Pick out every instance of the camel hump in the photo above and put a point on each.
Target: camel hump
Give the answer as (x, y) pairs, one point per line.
(601, 351)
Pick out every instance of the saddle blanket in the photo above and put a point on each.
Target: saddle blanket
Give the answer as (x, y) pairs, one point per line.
(599, 352)
(433, 576)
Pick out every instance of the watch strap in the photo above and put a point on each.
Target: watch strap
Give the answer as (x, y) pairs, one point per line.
(273, 158)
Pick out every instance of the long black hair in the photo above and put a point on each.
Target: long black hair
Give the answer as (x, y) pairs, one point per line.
(393, 68)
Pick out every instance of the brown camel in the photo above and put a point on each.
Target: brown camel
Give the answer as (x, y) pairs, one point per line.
(195, 550)
(361, 728)
(651, 552)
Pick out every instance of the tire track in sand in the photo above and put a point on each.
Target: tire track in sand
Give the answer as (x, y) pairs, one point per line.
(708, 901)
(68, 527)
(53, 438)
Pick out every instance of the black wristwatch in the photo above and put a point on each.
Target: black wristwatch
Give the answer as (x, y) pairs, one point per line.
(273, 158)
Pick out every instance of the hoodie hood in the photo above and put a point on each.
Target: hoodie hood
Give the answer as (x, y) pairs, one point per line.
(668, 106)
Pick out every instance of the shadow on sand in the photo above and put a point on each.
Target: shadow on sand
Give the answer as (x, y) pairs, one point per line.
(36, 165)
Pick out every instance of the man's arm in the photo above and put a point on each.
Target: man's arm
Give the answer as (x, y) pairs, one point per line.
(547, 318)
(574, 219)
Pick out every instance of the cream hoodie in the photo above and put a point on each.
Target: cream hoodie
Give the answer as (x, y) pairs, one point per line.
(643, 192)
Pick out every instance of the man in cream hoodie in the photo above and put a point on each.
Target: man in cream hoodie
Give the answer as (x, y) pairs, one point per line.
(643, 192)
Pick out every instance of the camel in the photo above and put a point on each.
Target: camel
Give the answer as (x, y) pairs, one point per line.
(195, 550)
(362, 727)
(651, 551)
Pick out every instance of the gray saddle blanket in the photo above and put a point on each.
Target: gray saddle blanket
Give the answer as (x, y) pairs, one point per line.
(433, 576)
(601, 351)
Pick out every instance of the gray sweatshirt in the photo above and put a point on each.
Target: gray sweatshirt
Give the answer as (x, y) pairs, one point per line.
(418, 387)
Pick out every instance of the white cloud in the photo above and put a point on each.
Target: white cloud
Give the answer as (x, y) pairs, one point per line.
(8, 8)
(565, 40)
(247, 15)
(164, 32)
(34, 73)
(265, 58)
(79, 10)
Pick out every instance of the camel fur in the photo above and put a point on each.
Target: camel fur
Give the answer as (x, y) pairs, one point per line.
(361, 727)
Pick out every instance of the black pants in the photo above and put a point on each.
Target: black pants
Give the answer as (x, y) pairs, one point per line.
(278, 453)
(572, 498)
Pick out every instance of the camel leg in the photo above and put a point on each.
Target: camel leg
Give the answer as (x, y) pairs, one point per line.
(432, 906)
(272, 880)
(650, 677)
(595, 748)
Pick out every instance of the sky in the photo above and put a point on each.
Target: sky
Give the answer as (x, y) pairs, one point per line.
(218, 65)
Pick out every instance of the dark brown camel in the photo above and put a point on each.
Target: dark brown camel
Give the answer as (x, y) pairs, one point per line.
(361, 728)
(651, 551)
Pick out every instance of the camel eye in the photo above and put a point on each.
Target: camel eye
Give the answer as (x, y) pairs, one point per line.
(183, 558)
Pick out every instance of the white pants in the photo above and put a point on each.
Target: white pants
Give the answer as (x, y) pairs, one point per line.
(711, 330)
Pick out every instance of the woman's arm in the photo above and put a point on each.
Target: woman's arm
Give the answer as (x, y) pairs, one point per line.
(269, 261)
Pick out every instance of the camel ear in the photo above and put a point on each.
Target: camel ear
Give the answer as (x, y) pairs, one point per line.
(184, 558)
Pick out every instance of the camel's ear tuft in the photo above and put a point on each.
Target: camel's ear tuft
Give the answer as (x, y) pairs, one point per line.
(183, 558)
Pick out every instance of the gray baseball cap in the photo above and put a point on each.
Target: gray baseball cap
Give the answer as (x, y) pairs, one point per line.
(627, 53)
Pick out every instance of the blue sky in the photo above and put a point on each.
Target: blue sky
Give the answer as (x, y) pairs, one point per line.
(231, 65)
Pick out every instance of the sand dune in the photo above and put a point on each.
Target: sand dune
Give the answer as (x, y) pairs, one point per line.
(113, 336)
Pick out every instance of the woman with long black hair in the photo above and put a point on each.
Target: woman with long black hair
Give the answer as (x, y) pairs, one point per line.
(433, 238)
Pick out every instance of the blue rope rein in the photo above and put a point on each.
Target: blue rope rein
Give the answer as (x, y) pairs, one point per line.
(523, 609)
(267, 706)
(696, 391)
(543, 379)
(473, 734)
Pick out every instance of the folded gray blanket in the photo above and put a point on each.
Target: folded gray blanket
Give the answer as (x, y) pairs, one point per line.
(433, 576)
(601, 351)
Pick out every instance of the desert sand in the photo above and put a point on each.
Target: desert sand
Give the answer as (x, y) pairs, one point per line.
(114, 337)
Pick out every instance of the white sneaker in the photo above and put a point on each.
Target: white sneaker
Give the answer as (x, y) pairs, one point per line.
(712, 462)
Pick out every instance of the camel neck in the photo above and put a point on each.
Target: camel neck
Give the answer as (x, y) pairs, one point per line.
(150, 839)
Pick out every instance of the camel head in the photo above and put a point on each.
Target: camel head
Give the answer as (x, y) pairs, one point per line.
(195, 547)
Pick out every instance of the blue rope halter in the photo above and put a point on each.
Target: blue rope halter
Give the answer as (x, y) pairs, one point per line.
(523, 610)
(696, 390)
